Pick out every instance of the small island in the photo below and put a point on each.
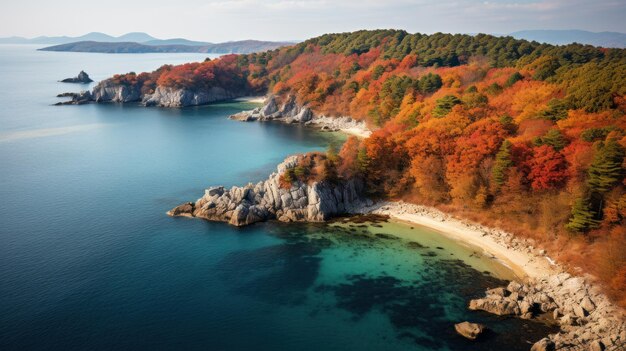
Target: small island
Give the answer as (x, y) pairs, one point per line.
(82, 77)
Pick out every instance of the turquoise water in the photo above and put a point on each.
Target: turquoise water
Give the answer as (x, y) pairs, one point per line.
(90, 261)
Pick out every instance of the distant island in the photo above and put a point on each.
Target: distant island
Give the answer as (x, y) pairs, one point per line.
(137, 39)
(138, 42)
(231, 47)
(82, 77)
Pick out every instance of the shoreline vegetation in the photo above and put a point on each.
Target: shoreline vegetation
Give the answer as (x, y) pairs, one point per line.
(528, 135)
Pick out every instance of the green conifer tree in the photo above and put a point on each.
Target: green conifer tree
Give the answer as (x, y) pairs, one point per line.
(502, 163)
(583, 217)
(606, 169)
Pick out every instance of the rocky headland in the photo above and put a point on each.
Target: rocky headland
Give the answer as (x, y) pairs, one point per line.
(268, 199)
(110, 91)
(290, 111)
(82, 77)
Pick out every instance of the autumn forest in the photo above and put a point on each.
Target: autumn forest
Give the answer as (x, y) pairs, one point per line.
(525, 136)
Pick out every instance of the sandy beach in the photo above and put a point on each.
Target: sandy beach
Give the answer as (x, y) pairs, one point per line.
(521, 257)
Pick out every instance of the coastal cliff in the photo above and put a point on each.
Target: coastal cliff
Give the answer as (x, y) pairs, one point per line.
(170, 97)
(109, 91)
(270, 199)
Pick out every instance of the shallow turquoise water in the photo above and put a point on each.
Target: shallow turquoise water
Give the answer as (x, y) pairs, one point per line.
(89, 261)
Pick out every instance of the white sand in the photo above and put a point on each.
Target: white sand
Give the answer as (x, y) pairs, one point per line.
(513, 252)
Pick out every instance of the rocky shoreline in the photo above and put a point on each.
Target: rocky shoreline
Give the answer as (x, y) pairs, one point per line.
(587, 318)
(292, 112)
(289, 112)
(108, 91)
(267, 200)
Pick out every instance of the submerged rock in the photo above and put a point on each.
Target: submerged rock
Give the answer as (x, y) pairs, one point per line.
(81, 78)
(243, 205)
(469, 330)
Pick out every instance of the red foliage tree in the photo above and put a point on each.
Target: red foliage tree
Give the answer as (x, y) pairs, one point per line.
(547, 169)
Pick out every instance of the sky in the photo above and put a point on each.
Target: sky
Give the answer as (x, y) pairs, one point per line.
(223, 20)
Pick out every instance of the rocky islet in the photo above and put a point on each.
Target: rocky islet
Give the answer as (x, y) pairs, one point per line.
(82, 77)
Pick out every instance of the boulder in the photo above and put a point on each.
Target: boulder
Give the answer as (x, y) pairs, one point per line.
(270, 107)
(469, 330)
(185, 209)
(579, 311)
(498, 292)
(596, 346)
(544, 344)
(587, 304)
(244, 116)
(567, 319)
(498, 307)
(514, 287)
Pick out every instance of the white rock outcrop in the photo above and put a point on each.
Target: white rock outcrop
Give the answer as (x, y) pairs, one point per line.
(170, 97)
(291, 112)
(310, 202)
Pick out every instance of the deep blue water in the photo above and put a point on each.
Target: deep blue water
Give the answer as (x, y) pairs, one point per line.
(90, 261)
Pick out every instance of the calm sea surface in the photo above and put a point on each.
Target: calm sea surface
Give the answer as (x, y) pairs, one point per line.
(90, 261)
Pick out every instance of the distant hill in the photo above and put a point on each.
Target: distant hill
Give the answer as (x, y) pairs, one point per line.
(562, 37)
(93, 36)
(236, 47)
(174, 41)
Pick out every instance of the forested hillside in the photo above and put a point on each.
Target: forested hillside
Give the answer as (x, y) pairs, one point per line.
(527, 136)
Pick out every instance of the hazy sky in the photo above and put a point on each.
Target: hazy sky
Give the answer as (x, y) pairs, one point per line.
(221, 20)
